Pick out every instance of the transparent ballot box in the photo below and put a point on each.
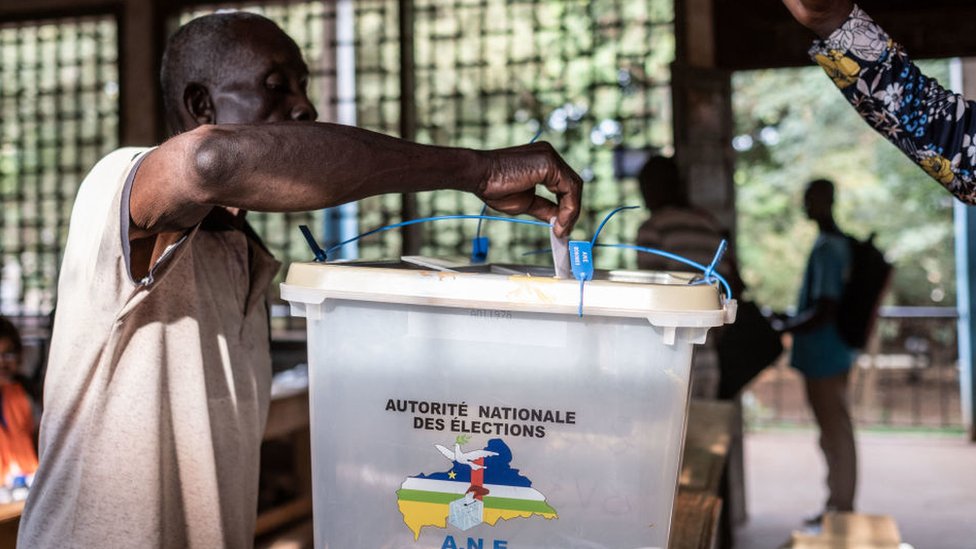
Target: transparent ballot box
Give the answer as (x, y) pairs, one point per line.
(475, 407)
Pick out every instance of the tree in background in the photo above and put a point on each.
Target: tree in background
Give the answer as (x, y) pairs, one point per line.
(792, 126)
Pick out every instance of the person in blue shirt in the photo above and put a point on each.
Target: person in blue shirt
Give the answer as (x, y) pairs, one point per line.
(820, 353)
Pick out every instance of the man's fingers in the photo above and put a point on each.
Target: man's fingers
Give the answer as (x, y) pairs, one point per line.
(566, 218)
(519, 173)
(568, 190)
(544, 209)
(525, 203)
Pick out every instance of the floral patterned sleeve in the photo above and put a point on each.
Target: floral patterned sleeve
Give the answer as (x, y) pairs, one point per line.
(932, 126)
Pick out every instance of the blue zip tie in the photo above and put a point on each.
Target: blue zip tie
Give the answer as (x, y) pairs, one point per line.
(581, 261)
(707, 280)
(320, 255)
(435, 218)
(722, 246)
(579, 310)
(480, 244)
(675, 257)
(581, 255)
(484, 211)
(709, 275)
(607, 218)
(593, 240)
(479, 250)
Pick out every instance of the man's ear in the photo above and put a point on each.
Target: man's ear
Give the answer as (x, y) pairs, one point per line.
(197, 102)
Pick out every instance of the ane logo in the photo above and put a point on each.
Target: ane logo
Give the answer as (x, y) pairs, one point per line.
(476, 486)
(473, 543)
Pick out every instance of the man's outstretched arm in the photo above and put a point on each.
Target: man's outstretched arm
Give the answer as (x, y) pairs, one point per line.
(932, 126)
(295, 166)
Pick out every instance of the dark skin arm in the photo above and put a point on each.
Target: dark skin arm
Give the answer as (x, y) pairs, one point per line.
(297, 166)
(821, 16)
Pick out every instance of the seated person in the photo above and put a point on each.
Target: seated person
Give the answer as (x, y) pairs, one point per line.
(17, 454)
(678, 227)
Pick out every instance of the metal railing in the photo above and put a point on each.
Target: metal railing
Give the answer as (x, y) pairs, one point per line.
(907, 377)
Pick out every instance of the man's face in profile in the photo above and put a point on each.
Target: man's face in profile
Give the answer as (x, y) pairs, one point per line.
(817, 203)
(264, 81)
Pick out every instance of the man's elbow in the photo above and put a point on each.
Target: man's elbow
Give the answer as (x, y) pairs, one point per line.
(212, 160)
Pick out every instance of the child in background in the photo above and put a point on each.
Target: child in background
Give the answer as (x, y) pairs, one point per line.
(18, 458)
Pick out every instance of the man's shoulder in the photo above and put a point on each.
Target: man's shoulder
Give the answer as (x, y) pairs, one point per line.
(97, 202)
(113, 165)
(833, 243)
(120, 158)
(832, 247)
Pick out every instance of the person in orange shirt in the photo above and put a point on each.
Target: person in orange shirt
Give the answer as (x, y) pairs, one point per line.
(18, 456)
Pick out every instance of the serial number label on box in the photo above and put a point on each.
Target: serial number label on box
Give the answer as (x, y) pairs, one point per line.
(490, 314)
(487, 326)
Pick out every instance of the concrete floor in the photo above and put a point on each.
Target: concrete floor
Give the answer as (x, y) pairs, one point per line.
(926, 483)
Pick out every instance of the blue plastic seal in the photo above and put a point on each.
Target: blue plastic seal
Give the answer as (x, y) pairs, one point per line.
(316, 250)
(581, 259)
(479, 249)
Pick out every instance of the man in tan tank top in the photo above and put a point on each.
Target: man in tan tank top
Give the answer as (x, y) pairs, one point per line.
(159, 376)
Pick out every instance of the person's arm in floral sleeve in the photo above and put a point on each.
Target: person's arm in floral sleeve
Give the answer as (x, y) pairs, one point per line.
(932, 126)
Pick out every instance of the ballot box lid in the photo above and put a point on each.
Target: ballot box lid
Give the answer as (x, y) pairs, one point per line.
(664, 298)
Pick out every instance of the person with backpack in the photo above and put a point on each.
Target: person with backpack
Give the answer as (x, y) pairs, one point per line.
(821, 353)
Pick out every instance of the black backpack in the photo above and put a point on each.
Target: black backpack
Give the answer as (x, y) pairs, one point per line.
(866, 284)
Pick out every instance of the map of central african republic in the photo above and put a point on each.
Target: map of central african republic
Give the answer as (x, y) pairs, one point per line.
(480, 487)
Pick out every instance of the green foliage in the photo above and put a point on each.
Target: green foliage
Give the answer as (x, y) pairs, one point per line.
(592, 74)
(802, 128)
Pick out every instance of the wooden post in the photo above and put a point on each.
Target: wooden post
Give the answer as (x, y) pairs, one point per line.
(701, 95)
(408, 119)
(702, 103)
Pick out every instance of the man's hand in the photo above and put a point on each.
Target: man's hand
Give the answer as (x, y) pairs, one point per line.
(821, 16)
(510, 185)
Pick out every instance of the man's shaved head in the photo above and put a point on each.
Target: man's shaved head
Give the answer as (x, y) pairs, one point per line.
(821, 190)
(661, 184)
(206, 51)
(818, 199)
